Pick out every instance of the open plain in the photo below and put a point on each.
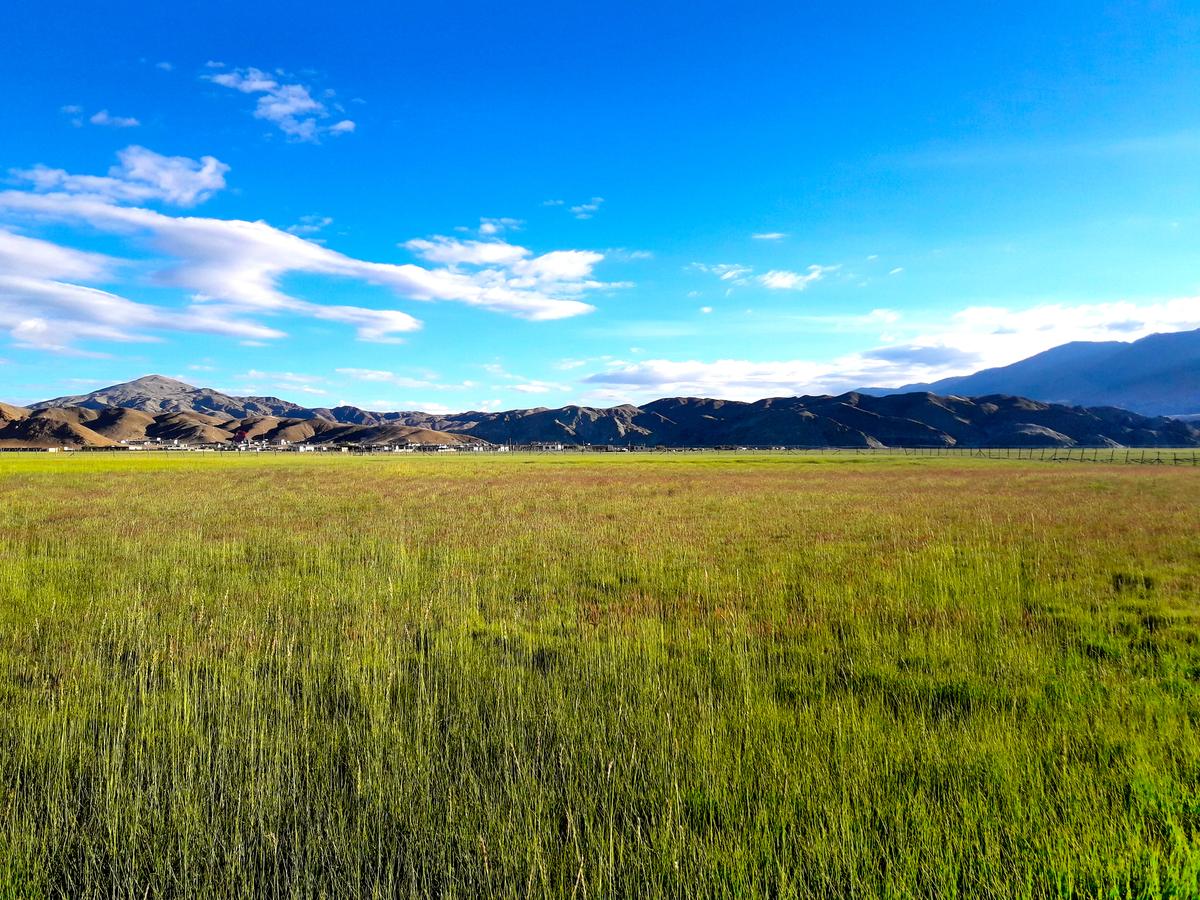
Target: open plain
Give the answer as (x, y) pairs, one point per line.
(687, 676)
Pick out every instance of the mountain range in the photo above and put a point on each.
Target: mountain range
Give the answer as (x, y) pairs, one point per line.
(1158, 375)
(111, 426)
(160, 408)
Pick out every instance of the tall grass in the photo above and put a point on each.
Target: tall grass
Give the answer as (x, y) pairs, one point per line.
(686, 677)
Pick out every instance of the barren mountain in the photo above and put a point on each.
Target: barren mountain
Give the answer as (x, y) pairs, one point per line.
(86, 427)
(9, 413)
(918, 419)
(50, 431)
(157, 394)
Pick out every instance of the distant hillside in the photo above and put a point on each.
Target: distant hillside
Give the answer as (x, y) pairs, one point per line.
(1157, 375)
(918, 419)
(80, 426)
(158, 394)
(848, 420)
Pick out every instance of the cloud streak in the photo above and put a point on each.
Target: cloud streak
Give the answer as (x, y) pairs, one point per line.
(103, 117)
(41, 307)
(784, 280)
(232, 269)
(141, 176)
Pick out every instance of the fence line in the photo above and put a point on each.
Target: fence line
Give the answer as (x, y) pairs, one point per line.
(1108, 455)
(1103, 455)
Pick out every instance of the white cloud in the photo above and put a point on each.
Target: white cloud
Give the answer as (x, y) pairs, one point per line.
(367, 374)
(508, 268)
(141, 176)
(434, 409)
(972, 339)
(897, 270)
(382, 376)
(783, 280)
(587, 210)
(255, 382)
(105, 118)
(706, 309)
(490, 227)
(231, 269)
(241, 262)
(769, 236)
(290, 107)
(449, 251)
(558, 266)
(624, 254)
(41, 259)
(310, 225)
(726, 378)
(538, 387)
(523, 385)
(40, 308)
(165, 66)
(775, 279)
(730, 272)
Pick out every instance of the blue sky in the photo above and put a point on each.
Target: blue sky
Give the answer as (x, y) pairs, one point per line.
(505, 205)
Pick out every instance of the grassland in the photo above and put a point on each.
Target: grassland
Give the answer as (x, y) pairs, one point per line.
(687, 677)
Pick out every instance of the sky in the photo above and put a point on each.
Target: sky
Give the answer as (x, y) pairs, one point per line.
(489, 206)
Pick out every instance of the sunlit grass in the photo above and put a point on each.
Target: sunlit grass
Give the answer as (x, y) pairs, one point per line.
(598, 676)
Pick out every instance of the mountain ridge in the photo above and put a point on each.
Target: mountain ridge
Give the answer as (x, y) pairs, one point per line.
(855, 419)
(160, 394)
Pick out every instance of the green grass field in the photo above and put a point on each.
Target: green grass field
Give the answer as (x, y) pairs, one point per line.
(687, 676)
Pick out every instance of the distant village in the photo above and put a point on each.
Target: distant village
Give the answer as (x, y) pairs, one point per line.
(249, 445)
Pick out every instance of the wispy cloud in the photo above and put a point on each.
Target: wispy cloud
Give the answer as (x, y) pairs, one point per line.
(255, 382)
(103, 117)
(733, 273)
(769, 236)
(492, 227)
(587, 210)
(520, 383)
(309, 225)
(290, 107)
(784, 280)
(383, 376)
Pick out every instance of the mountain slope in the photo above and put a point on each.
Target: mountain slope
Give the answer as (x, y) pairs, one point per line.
(10, 413)
(50, 431)
(158, 394)
(1157, 375)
